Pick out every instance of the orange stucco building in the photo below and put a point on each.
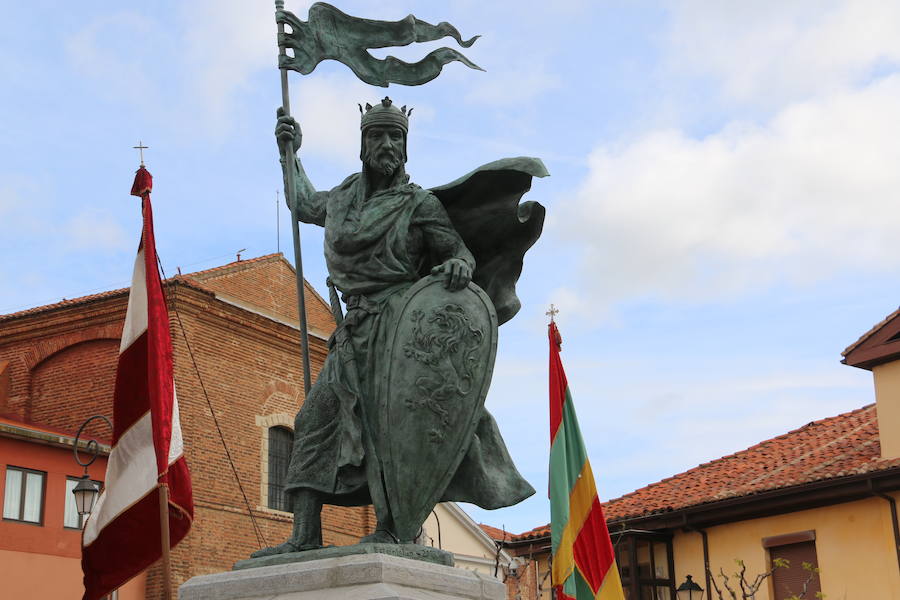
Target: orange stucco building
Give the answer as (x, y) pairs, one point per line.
(40, 539)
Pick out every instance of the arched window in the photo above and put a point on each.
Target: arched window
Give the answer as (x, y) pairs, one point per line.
(281, 440)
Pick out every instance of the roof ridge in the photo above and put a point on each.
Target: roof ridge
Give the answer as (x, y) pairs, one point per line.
(236, 263)
(875, 328)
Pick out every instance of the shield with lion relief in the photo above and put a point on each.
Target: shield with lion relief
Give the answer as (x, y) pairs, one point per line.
(442, 348)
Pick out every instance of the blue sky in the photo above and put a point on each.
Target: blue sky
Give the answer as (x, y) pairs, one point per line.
(722, 211)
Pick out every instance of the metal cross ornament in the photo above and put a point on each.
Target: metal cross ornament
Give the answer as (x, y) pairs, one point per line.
(140, 148)
(552, 313)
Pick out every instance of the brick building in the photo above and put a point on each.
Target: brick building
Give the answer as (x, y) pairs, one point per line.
(57, 367)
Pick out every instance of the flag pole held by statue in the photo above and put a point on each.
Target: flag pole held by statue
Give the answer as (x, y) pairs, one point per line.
(290, 190)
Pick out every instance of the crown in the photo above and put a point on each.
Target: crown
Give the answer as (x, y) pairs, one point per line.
(384, 113)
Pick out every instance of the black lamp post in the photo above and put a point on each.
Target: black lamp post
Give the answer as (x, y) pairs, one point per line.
(86, 491)
(689, 590)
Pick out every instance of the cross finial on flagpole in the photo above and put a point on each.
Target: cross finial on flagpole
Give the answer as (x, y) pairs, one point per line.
(552, 313)
(140, 148)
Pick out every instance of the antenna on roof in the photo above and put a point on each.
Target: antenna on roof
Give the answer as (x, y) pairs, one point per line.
(239, 253)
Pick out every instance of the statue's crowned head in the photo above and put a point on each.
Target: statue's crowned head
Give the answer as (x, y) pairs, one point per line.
(384, 128)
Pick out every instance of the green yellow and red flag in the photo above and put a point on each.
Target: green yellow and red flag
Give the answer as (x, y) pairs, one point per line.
(584, 565)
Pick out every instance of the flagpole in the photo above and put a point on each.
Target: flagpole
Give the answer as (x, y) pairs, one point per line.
(290, 191)
(164, 540)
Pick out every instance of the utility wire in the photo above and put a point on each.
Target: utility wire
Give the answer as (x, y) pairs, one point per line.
(256, 528)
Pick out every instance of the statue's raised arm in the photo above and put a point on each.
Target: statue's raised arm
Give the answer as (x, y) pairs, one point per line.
(310, 205)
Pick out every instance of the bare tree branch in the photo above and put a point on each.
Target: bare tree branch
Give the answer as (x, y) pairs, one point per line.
(748, 589)
(499, 544)
(726, 582)
(712, 580)
(742, 580)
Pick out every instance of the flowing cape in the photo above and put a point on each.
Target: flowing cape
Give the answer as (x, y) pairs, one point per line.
(484, 208)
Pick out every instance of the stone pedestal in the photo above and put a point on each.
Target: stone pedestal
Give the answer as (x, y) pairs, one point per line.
(355, 577)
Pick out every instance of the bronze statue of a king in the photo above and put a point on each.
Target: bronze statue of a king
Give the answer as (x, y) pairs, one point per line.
(396, 417)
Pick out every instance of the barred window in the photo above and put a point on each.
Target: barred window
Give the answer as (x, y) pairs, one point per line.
(281, 441)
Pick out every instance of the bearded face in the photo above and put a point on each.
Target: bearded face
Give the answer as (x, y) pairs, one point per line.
(383, 148)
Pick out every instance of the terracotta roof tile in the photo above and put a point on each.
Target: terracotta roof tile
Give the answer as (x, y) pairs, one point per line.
(839, 446)
(496, 534)
(213, 271)
(537, 532)
(63, 303)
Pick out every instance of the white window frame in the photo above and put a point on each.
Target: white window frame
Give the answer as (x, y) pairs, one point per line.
(23, 489)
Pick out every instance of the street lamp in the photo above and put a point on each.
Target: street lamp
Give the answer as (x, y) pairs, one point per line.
(86, 491)
(689, 590)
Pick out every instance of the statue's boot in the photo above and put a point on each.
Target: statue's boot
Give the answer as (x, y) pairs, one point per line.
(383, 534)
(307, 532)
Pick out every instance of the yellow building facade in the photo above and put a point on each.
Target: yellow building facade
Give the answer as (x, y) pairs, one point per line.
(825, 493)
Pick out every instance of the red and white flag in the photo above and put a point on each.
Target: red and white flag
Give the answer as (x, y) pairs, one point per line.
(123, 535)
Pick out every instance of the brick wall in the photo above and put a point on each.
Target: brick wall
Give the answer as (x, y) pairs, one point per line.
(268, 283)
(61, 363)
(522, 586)
(78, 377)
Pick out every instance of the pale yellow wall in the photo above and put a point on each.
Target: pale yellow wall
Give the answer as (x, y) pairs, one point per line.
(454, 534)
(471, 550)
(854, 545)
(27, 575)
(887, 395)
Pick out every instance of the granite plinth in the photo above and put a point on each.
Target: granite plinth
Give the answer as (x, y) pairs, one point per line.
(413, 551)
(354, 577)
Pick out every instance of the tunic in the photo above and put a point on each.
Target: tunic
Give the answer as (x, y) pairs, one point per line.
(375, 249)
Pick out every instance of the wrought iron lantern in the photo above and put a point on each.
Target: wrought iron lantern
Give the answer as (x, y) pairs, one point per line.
(86, 491)
(689, 590)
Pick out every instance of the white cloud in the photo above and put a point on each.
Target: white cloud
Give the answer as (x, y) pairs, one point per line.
(326, 108)
(770, 52)
(225, 42)
(807, 195)
(95, 53)
(93, 231)
(519, 82)
(192, 65)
